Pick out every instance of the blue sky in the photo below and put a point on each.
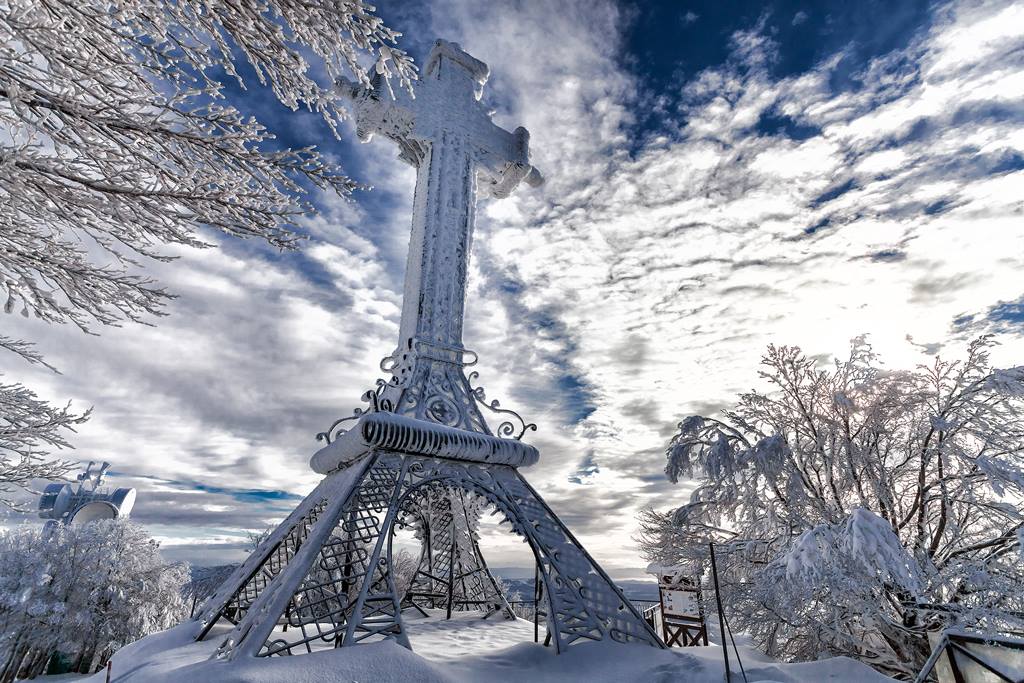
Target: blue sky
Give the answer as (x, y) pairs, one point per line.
(721, 176)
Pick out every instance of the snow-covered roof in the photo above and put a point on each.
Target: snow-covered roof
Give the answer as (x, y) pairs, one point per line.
(676, 572)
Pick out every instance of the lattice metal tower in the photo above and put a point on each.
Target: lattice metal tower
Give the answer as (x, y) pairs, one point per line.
(451, 573)
(421, 454)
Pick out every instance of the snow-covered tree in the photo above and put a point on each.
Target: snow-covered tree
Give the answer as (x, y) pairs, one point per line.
(116, 141)
(403, 567)
(82, 590)
(855, 509)
(203, 583)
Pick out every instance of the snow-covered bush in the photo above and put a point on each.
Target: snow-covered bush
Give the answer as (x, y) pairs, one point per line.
(855, 509)
(82, 590)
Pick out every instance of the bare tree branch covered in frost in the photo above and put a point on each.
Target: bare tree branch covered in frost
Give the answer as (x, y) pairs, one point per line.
(115, 141)
(856, 509)
(84, 591)
(27, 427)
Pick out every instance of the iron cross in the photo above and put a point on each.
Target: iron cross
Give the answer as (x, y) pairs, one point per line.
(447, 134)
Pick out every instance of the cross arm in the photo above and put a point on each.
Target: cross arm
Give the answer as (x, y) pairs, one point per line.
(379, 109)
(446, 103)
(505, 161)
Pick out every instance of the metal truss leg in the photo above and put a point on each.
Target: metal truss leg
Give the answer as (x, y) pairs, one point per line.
(251, 635)
(338, 588)
(244, 585)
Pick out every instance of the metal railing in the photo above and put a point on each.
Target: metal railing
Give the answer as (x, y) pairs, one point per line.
(525, 609)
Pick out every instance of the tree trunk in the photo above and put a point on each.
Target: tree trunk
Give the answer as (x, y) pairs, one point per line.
(10, 669)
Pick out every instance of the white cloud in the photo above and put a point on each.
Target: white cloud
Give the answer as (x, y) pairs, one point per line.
(692, 253)
(649, 272)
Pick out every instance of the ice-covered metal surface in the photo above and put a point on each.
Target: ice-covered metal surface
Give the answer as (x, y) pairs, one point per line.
(408, 435)
(338, 589)
(324, 578)
(244, 586)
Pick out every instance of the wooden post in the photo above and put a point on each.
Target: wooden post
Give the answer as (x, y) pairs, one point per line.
(721, 616)
(110, 665)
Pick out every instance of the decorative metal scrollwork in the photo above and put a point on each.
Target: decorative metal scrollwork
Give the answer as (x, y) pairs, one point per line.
(333, 432)
(378, 404)
(514, 428)
(375, 397)
(390, 363)
(429, 382)
(442, 410)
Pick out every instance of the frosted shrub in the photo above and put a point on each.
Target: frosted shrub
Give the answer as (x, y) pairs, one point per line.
(84, 591)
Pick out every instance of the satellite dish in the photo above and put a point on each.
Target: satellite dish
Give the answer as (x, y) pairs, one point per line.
(94, 511)
(89, 502)
(123, 500)
(55, 501)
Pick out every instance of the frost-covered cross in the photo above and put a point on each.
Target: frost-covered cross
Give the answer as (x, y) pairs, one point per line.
(447, 134)
(423, 453)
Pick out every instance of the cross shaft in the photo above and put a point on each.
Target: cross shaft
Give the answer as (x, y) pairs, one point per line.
(458, 152)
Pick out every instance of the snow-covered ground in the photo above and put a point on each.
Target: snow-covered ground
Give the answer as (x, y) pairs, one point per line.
(464, 650)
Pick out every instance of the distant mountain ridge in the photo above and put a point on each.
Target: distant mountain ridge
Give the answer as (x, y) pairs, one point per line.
(634, 590)
(206, 580)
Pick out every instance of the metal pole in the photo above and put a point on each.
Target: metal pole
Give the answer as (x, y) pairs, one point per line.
(451, 571)
(430, 560)
(536, 604)
(721, 618)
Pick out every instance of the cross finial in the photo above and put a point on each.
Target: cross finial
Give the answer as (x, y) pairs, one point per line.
(446, 101)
